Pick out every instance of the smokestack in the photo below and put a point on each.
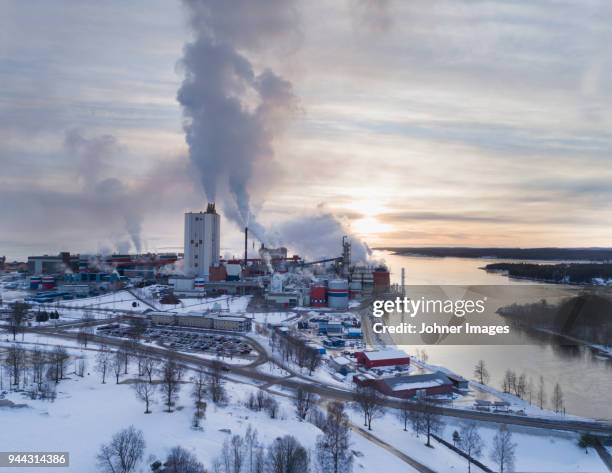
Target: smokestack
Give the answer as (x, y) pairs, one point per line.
(246, 240)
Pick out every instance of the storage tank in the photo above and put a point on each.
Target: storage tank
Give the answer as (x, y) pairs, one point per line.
(198, 284)
(318, 295)
(35, 282)
(355, 289)
(338, 294)
(48, 282)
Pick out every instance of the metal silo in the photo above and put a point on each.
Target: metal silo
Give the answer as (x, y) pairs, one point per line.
(338, 294)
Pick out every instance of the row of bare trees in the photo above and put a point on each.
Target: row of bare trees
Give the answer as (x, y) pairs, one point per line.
(36, 371)
(296, 350)
(523, 387)
(502, 452)
(247, 454)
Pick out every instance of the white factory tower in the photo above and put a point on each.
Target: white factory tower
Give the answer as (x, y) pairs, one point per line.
(202, 241)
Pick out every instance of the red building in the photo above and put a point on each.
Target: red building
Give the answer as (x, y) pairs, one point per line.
(408, 386)
(382, 279)
(318, 296)
(373, 359)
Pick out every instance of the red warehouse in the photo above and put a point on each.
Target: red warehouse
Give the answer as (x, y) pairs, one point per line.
(373, 359)
(406, 387)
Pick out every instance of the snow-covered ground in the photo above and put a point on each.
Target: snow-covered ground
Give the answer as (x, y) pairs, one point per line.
(271, 317)
(231, 304)
(120, 300)
(87, 413)
(537, 450)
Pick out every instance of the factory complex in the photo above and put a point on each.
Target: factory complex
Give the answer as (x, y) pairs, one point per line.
(316, 296)
(277, 279)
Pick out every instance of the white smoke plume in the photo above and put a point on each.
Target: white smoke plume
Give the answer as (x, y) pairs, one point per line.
(107, 195)
(319, 235)
(233, 110)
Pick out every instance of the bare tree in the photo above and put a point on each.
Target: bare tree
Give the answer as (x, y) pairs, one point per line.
(509, 382)
(59, 357)
(215, 384)
(145, 392)
(80, 367)
(17, 315)
(404, 412)
(123, 453)
(541, 393)
(38, 360)
(128, 349)
(103, 359)
(271, 407)
(503, 449)
(520, 389)
(117, 365)
(149, 367)
(138, 326)
(481, 373)
(333, 453)
(425, 420)
(233, 455)
(369, 402)
(470, 442)
(303, 401)
(83, 337)
(557, 398)
(171, 374)
(313, 360)
(197, 393)
(287, 455)
(254, 452)
(181, 460)
(15, 361)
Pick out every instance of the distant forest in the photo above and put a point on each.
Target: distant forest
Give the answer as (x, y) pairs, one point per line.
(548, 254)
(576, 273)
(586, 317)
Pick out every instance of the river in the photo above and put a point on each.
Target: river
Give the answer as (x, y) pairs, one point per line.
(584, 376)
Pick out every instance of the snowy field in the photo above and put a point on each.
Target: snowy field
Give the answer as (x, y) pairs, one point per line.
(537, 450)
(231, 304)
(87, 413)
(120, 300)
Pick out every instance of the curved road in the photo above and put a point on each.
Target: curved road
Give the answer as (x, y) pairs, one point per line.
(334, 393)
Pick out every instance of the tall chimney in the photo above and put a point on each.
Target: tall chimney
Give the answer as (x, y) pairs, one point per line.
(246, 240)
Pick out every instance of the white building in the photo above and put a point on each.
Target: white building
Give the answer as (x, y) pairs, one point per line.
(202, 241)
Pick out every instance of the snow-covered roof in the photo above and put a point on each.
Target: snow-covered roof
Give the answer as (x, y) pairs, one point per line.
(389, 354)
(420, 381)
(341, 360)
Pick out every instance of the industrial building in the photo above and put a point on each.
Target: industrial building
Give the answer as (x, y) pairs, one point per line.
(405, 387)
(41, 265)
(205, 321)
(341, 364)
(202, 241)
(378, 358)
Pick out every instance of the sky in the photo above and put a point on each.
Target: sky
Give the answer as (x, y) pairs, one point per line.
(444, 122)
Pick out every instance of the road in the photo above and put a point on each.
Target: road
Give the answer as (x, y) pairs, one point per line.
(298, 381)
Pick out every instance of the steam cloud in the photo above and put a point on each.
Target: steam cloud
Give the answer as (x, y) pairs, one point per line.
(108, 195)
(232, 112)
(319, 234)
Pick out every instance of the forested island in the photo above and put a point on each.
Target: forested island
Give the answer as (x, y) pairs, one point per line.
(568, 273)
(586, 317)
(545, 254)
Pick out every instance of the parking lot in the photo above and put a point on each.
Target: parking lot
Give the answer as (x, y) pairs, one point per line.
(190, 340)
